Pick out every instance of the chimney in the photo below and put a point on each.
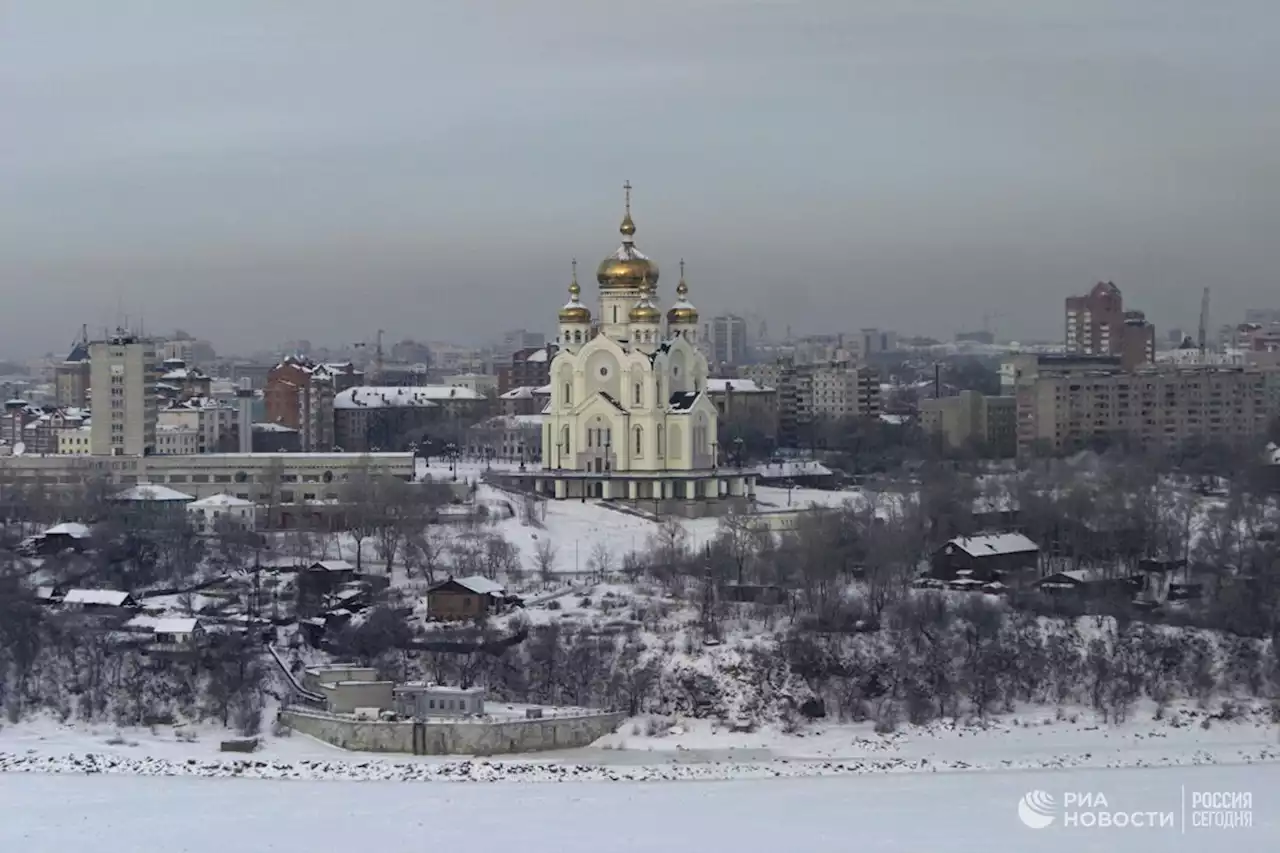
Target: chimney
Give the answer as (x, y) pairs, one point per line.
(244, 412)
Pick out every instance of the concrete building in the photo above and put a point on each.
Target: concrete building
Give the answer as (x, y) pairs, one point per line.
(212, 422)
(727, 340)
(75, 442)
(71, 378)
(1159, 406)
(176, 440)
(972, 420)
(209, 514)
(525, 400)
(743, 401)
(809, 393)
(510, 437)
(300, 477)
(1097, 324)
(415, 699)
(180, 382)
(392, 418)
(872, 341)
(300, 394)
(38, 429)
(482, 384)
(123, 371)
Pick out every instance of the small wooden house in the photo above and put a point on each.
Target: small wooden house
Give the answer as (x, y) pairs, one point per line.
(464, 598)
(985, 558)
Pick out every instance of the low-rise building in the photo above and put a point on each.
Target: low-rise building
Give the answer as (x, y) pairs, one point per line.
(421, 700)
(175, 440)
(74, 442)
(985, 558)
(510, 437)
(464, 598)
(209, 514)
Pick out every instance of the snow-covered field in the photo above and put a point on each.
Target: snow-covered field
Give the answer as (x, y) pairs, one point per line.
(909, 813)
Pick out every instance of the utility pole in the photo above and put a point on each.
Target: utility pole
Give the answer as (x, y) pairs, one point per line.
(1203, 339)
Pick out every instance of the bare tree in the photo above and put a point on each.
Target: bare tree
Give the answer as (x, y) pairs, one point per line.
(544, 559)
(600, 561)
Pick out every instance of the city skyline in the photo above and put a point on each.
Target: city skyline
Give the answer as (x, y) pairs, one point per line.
(255, 175)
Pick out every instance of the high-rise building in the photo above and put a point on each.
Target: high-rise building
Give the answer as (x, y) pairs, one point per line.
(71, 378)
(123, 372)
(728, 339)
(1097, 324)
(808, 393)
(299, 394)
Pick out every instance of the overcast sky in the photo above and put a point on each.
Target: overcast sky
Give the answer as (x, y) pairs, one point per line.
(261, 170)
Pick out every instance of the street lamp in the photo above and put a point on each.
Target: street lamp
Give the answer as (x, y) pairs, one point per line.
(451, 451)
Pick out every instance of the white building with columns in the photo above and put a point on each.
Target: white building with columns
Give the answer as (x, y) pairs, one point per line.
(629, 417)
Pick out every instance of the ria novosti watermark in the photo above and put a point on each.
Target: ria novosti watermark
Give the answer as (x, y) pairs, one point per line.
(1093, 810)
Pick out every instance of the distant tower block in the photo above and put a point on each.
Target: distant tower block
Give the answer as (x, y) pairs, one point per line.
(244, 415)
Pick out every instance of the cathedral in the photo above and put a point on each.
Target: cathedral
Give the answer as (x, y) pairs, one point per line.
(629, 418)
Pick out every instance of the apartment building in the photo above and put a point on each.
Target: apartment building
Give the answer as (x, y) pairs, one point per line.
(973, 420)
(527, 368)
(807, 393)
(299, 394)
(1098, 324)
(1163, 406)
(123, 373)
(727, 339)
(212, 422)
(743, 401)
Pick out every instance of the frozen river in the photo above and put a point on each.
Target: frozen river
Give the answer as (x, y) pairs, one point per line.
(907, 812)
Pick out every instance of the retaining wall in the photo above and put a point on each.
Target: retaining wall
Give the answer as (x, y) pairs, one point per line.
(455, 737)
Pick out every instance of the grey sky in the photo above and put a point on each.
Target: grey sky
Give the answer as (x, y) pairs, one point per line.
(259, 170)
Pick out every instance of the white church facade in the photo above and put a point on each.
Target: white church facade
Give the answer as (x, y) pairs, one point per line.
(629, 417)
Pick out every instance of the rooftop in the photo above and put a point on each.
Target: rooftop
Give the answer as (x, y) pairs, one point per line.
(993, 544)
(421, 396)
(151, 492)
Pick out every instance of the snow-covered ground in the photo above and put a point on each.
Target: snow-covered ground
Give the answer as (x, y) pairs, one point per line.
(938, 812)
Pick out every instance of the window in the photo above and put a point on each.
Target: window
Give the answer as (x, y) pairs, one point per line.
(636, 399)
(661, 437)
(568, 394)
(615, 313)
(639, 442)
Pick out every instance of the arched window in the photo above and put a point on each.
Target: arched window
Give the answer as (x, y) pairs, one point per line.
(661, 442)
(577, 337)
(590, 435)
(568, 394)
(564, 440)
(639, 442)
(637, 397)
(615, 313)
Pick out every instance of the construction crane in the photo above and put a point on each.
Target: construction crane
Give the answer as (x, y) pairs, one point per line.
(1203, 339)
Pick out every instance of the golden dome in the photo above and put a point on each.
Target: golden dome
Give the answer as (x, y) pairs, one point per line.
(573, 310)
(683, 311)
(644, 310)
(627, 268)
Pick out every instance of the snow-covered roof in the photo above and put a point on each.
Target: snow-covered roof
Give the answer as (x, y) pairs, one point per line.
(107, 597)
(540, 355)
(993, 544)
(744, 386)
(164, 624)
(480, 585)
(628, 252)
(151, 492)
(896, 420)
(524, 392)
(420, 396)
(270, 427)
(74, 529)
(543, 390)
(510, 421)
(333, 566)
(222, 500)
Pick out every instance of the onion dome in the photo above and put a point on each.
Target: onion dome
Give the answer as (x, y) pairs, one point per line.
(627, 268)
(683, 312)
(644, 311)
(574, 311)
